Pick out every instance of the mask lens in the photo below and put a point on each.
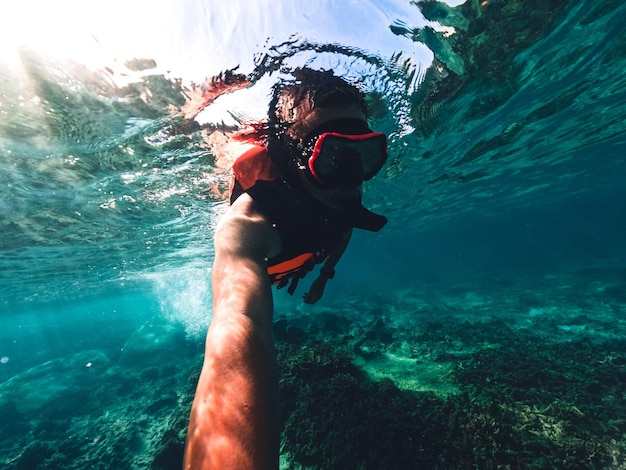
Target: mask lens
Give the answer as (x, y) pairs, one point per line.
(341, 159)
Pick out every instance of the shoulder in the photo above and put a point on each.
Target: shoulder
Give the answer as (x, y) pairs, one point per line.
(254, 165)
(245, 229)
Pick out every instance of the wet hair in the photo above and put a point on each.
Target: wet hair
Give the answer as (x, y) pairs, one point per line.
(293, 100)
(310, 89)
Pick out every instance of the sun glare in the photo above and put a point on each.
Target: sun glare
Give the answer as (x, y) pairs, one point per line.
(90, 33)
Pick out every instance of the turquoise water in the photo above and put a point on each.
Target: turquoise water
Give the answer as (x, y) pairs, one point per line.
(482, 328)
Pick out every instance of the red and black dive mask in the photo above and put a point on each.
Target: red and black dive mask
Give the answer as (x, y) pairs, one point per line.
(344, 153)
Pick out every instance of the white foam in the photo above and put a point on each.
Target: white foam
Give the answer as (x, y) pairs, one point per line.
(184, 296)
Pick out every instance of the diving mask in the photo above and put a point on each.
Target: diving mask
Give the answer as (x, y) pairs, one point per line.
(343, 159)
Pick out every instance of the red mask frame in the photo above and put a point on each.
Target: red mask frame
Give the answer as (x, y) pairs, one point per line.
(338, 158)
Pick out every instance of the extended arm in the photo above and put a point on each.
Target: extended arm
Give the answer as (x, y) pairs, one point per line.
(327, 272)
(234, 420)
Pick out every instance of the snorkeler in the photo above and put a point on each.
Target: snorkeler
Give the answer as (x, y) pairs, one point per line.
(294, 203)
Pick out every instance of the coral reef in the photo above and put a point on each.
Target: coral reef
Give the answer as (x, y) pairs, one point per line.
(540, 389)
(531, 376)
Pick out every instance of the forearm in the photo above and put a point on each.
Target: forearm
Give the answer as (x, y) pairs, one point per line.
(234, 420)
(337, 253)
